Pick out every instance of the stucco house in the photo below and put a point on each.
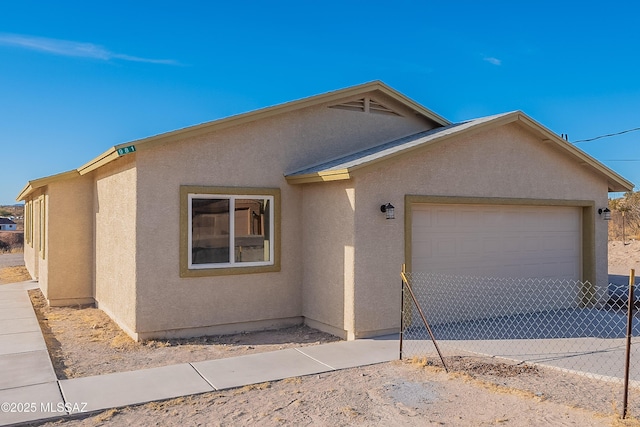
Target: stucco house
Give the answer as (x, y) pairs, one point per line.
(273, 217)
(6, 224)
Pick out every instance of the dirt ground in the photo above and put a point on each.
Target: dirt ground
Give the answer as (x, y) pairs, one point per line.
(13, 274)
(623, 257)
(83, 341)
(391, 394)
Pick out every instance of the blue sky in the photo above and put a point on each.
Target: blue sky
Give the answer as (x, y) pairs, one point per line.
(79, 77)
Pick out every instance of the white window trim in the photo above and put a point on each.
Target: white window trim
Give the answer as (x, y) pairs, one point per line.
(232, 198)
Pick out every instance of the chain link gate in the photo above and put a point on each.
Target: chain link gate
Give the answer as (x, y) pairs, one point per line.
(568, 330)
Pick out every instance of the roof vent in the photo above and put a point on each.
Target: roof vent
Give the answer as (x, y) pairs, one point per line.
(366, 105)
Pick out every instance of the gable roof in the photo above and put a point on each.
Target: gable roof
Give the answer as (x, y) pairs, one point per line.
(120, 150)
(6, 221)
(216, 125)
(343, 167)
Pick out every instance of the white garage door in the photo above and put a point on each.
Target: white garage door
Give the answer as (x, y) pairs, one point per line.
(497, 241)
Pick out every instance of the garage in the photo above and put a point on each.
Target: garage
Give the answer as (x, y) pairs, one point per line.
(497, 240)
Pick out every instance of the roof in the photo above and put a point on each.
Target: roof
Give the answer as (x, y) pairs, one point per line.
(120, 150)
(41, 182)
(343, 167)
(216, 125)
(6, 221)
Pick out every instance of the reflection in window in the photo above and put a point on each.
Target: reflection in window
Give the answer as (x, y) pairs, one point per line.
(214, 231)
(210, 231)
(251, 221)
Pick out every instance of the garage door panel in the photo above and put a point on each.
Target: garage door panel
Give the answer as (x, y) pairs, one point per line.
(470, 246)
(468, 219)
(491, 245)
(512, 244)
(500, 241)
(444, 219)
(445, 247)
(531, 242)
(423, 251)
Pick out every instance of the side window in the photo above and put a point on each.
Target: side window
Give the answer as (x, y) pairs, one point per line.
(228, 230)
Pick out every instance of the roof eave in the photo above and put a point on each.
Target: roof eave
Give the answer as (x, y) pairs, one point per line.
(347, 173)
(412, 104)
(615, 182)
(325, 176)
(227, 122)
(42, 182)
(104, 158)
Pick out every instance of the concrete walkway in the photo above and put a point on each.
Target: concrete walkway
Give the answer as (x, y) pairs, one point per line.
(11, 260)
(29, 389)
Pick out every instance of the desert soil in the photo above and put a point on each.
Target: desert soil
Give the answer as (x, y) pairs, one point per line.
(623, 257)
(83, 341)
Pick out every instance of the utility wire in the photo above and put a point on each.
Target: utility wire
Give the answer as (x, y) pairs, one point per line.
(606, 136)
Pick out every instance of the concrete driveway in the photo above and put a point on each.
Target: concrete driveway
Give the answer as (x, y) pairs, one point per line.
(588, 341)
(11, 260)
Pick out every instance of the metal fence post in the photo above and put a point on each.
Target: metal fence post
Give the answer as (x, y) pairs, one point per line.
(424, 319)
(401, 317)
(630, 304)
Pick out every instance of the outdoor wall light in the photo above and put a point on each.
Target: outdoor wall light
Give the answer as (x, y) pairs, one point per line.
(389, 210)
(605, 213)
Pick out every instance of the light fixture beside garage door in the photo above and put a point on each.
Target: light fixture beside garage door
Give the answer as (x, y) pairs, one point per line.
(605, 214)
(389, 210)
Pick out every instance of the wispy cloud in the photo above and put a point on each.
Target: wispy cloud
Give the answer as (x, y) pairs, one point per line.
(492, 60)
(72, 48)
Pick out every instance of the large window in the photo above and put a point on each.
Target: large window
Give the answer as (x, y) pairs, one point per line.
(228, 230)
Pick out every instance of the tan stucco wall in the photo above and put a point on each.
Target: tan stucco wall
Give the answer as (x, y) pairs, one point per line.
(69, 241)
(115, 209)
(36, 256)
(328, 240)
(252, 155)
(41, 214)
(30, 259)
(30, 246)
(505, 162)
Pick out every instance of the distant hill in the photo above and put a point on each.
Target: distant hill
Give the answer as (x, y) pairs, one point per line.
(12, 210)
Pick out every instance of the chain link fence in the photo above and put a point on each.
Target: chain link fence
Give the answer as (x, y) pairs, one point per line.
(558, 339)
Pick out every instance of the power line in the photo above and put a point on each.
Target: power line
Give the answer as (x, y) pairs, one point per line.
(606, 136)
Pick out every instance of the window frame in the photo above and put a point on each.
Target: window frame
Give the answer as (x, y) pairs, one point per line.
(188, 193)
(43, 225)
(27, 222)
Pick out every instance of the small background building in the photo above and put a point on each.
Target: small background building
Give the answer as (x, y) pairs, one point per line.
(7, 224)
